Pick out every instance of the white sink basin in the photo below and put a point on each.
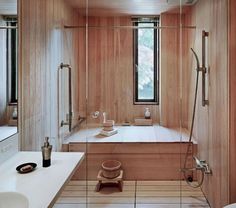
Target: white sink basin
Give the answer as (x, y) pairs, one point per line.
(13, 200)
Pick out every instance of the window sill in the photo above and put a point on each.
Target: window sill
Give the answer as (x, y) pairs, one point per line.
(146, 103)
(12, 104)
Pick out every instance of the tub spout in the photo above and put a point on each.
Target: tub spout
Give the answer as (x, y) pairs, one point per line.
(202, 165)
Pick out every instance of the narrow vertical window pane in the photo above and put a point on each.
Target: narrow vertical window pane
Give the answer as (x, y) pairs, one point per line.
(146, 62)
(12, 62)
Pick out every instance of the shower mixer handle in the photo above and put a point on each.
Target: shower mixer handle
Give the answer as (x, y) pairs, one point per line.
(202, 165)
(95, 114)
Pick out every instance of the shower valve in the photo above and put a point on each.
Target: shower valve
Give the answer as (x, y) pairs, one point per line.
(202, 165)
(95, 114)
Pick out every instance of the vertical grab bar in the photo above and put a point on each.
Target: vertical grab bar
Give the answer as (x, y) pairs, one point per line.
(69, 119)
(204, 69)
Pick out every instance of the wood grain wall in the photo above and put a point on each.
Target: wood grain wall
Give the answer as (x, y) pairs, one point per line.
(232, 100)
(44, 44)
(110, 72)
(188, 72)
(211, 124)
(170, 71)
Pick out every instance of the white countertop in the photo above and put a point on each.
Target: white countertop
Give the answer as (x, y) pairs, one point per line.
(43, 185)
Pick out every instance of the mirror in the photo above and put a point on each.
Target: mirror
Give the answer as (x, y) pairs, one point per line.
(8, 68)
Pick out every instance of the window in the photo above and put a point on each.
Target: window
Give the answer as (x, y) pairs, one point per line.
(11, 45)
(146, 61)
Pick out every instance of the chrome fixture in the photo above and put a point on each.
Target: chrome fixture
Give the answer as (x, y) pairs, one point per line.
(95, 114)
(202, 165)
(70, 114)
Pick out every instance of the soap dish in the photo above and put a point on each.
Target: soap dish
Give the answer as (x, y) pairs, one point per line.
(26, 167)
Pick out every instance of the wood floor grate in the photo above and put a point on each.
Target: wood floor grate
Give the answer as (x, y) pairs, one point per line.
(136, 194)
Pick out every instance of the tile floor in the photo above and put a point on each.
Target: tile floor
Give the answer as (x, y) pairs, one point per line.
(136, 194)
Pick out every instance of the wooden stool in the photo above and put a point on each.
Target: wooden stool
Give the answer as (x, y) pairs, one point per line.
(106, 182)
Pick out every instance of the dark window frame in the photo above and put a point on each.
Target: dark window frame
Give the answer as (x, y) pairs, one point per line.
(156, 62)
(12, 61)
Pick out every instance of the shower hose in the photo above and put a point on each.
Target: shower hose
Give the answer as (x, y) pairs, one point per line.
(185, 169)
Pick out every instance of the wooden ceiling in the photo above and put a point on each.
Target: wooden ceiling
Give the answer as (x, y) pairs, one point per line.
(127, 7)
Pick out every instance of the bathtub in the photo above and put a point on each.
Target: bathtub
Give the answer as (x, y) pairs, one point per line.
(146, 152)
(127, 134)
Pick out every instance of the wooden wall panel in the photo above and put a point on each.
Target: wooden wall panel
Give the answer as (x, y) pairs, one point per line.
(170, 71)
(188, 72)
(232, 99)
(110, 73)
(211, 124)
(44, 45)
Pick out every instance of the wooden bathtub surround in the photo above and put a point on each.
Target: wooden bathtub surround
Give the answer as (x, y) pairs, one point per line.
(140, 161)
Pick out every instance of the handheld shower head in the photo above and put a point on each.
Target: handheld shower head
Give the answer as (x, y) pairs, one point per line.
(197, 60)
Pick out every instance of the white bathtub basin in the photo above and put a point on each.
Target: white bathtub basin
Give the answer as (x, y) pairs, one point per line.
(13, 200)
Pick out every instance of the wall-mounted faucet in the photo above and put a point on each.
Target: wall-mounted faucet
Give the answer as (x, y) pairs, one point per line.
(202, 165)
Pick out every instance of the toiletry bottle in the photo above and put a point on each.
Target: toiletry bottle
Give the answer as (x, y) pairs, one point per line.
(147, 113)
(14, 113)
(46, 151)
